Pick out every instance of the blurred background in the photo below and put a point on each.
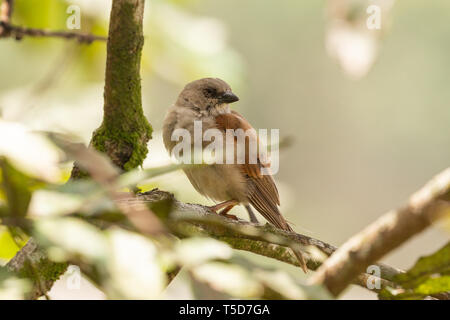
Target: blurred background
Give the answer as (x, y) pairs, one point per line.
(367, 111)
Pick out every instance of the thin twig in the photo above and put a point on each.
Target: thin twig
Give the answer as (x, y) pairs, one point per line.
(19, 32)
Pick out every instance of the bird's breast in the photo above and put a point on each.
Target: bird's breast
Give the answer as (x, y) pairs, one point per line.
(219, 182)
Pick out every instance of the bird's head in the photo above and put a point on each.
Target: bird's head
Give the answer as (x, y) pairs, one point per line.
(206, 94)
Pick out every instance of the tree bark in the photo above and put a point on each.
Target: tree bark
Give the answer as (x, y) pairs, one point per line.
(32, 263)
(124, 132)
(188, 220)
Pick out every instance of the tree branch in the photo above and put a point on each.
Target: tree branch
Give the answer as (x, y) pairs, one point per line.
(124, 132)
(18, 33)
(187, 220)
(32, 263)
(197, 220)
(385, 234)
(9, 30)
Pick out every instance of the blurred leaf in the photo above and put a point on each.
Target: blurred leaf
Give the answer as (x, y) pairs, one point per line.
(434, 286)
(8, 246)
(352, 37)
(288, 288)
(445, 223)
(425, 267)
(136, 272)
(93, 197)
(95, 163)
(17, 189)
(41, 13)
(81, 197)
(430, 275)
(136, 176)
(83, 187)
(280, 284)
(68, 237)
(29, 152)
(228, 278)
(194, 251)
(48, 203)
(242, 279)
(12, 288)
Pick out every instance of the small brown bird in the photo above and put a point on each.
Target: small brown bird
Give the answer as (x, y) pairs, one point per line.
(207, 100)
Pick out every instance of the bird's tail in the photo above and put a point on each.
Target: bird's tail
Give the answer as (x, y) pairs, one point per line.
(251, 214)
(301, 260)
(273, 215)
(298, 254)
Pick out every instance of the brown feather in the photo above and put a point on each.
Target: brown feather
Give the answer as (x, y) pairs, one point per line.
(262, 191)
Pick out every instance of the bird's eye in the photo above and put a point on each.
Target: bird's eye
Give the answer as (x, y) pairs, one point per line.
(209, 92)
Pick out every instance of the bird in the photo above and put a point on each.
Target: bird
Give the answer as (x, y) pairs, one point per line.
(208, 101)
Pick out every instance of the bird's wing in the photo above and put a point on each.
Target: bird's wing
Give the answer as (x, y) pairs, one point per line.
(262, 191)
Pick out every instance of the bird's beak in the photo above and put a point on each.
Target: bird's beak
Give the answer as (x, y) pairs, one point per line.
(229, 97)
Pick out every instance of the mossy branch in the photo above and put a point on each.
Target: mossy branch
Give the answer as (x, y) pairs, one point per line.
(186, 220)
(32, 263)
(124, 132)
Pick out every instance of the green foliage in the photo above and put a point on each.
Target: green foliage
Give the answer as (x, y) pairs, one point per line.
(236, 276)
(429, 276)
(42, 271)
(108, 139)
(17, 189)
(8, 247)
(80, 223)
(41, 13)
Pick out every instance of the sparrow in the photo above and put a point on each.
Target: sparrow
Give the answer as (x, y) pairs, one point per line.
(208, 100)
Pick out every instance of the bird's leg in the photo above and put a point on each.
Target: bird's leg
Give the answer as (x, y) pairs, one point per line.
(222, 205)
(224, 212)
(226, 206)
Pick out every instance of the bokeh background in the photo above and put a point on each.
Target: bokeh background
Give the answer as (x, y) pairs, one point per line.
(367, 111)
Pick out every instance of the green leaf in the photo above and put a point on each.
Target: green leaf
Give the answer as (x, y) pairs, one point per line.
(434, 286)
(17, 189)
(425, 267)
(8, 247)
(429, 276)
